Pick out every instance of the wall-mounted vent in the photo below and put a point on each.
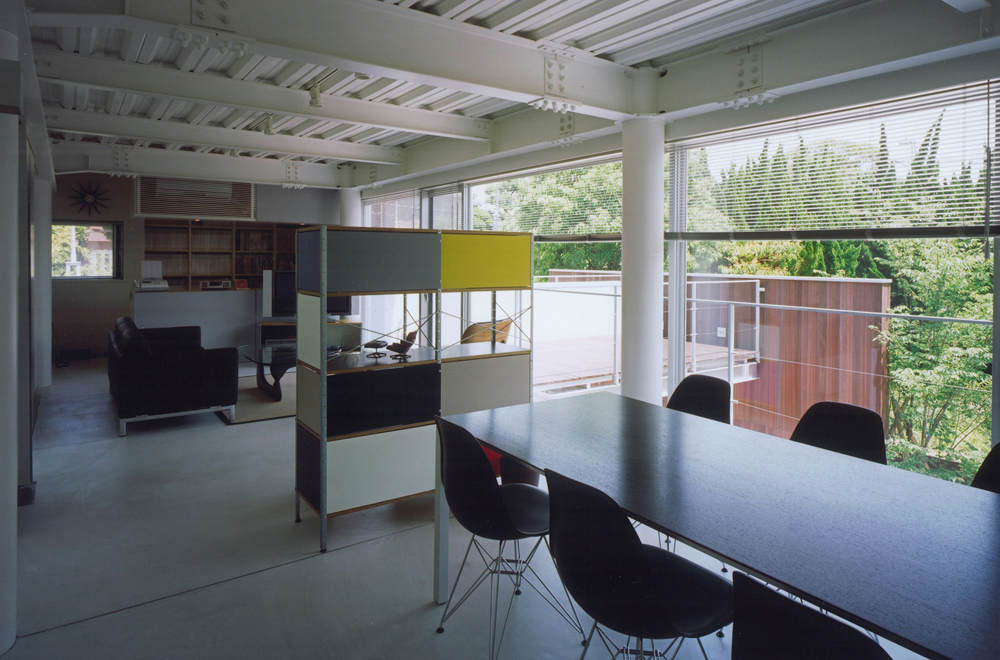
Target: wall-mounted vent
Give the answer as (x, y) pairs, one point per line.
(157, 197)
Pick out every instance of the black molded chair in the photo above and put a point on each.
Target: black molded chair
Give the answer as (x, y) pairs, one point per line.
(768, 625)
(843, 428)
(704, 396)
(988, 475)
(631, 588)
(504, 513)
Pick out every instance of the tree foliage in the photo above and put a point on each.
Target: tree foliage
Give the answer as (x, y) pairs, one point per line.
(62, 247)
(939, 392)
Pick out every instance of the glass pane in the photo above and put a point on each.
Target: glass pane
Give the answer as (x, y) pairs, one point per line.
(586, 200)
(444, 211)
(400, 212)
(900, 327)
(83, 251)
(577, 333)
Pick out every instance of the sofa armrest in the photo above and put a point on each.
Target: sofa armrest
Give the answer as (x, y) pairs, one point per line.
(220, 375)
(187, 380)
(171, 340)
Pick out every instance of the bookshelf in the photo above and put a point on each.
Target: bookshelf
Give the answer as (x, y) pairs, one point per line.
(193, 251)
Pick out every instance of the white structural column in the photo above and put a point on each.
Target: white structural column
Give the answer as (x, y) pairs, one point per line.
(41, 293)
(642, 259)
(351, 211)
(8, 352)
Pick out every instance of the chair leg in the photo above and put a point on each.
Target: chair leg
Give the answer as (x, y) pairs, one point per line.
(454, 587)
(569, 615)
(496, 567)
(698, 639)
(586, 642)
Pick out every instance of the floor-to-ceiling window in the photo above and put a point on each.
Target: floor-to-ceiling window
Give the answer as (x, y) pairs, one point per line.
(843, 257)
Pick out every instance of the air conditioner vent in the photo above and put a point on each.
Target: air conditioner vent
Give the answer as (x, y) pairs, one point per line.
(159, 197)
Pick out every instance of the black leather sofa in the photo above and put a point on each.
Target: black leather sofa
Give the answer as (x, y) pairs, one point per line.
(163, 372)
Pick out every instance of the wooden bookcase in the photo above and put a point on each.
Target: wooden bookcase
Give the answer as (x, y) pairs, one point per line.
(193, 251)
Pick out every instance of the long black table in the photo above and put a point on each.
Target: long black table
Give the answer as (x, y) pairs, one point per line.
(912, 558)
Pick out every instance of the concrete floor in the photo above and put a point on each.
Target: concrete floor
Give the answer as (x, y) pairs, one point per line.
(179, 541)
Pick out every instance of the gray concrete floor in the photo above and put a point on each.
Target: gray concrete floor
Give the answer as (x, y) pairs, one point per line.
(179, 541)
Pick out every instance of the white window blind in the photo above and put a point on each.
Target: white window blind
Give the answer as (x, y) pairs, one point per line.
(444, 207)
(401, 211)
(914, 166)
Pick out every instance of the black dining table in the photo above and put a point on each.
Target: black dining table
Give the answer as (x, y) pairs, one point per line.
(910, 557)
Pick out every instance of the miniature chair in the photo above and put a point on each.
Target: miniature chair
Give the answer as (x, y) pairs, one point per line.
(376, 345)
(703, 396)
(768, 625)
(504, 513)
(400, 347)
(631, 588)
(843, 428)
(988, 475)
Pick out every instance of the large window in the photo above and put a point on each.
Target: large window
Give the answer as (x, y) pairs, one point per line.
(85, 250)
(887, 306)
(839, 256)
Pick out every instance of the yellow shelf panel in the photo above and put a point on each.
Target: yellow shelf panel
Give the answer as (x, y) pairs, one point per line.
(488, 261)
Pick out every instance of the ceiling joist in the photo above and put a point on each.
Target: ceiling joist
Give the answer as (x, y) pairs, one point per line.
(117, 76)
(132, 161)
(152, 130)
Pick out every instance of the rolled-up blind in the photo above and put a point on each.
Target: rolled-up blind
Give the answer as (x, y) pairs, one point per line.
(920, 165)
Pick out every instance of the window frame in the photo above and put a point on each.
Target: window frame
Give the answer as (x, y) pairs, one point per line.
(117, 260)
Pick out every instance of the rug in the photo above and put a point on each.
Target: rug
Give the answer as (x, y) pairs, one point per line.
(252, 405)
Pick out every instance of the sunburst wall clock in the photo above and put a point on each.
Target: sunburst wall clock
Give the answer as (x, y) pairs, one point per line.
(88, 196)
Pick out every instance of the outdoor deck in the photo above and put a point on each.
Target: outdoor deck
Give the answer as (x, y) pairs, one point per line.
(569, 366)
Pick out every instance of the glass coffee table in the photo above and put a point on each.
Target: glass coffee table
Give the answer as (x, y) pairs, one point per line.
(277, 358)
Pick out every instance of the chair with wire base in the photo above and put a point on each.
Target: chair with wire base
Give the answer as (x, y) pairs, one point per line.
(843, 428)
(704, 396)
(768, 625)
(988, 475)
(505, 513)
(634, 589)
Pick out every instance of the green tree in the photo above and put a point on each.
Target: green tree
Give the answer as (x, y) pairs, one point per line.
(580, 201)
(62, 247)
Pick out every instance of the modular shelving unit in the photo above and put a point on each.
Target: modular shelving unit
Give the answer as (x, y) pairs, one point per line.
(365, 432)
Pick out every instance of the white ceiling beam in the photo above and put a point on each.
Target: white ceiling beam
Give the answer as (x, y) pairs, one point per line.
(524, 131)
(112, 75)
(133, 161)
(181, 132)
(635, 40)
(966, 6)
(828, 51)
(696, 34)
(380, 39)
